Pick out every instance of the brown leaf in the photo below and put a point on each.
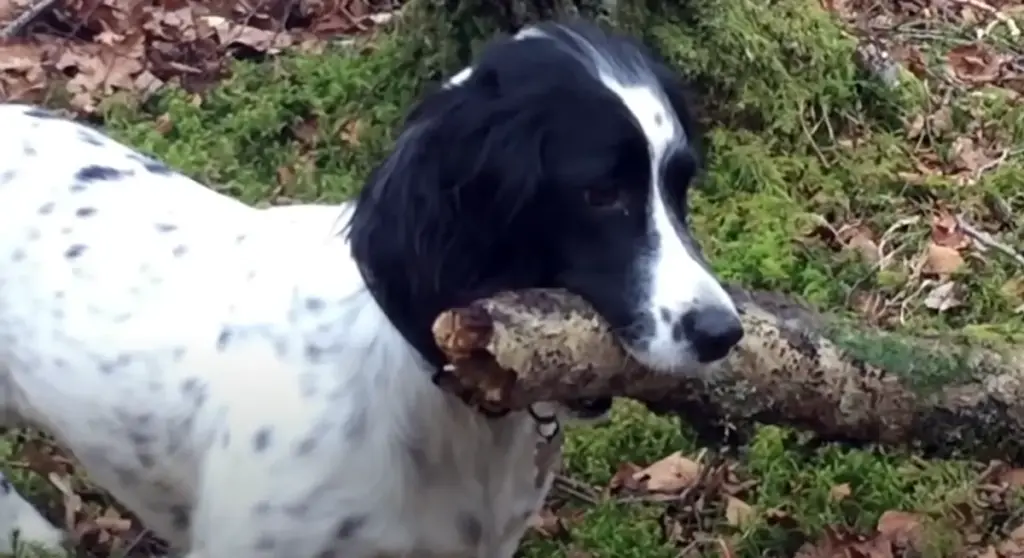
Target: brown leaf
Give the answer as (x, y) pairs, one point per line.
(904, 528)
(546, 523)
(942, 260)
(967, 155)
(860, 239)
(350, 132)
(1013, 477)
(669, 475)
(270, 42)
(737, 512)
(163, 124)
(840, 491)
(946, 232)
(623, 478)
(975, 63)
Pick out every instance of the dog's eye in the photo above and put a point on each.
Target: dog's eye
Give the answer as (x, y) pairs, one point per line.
(603, 197)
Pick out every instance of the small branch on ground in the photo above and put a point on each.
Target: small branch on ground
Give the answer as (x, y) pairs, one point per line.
(19, 23)
(986, 239)
(794, 367)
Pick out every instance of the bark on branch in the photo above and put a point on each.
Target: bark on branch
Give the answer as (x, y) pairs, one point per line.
(793, 367)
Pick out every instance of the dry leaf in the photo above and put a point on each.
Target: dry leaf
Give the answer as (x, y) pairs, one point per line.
(546, 523)
(942, 260)
(946, 232)
(669, 475)
(350, 132)
(943, 297)
(737, 512)
(623, 478)
(902, 527)
(861, 241)
(975, 63)
(163, 124)
(840, 491)
(1013, 477)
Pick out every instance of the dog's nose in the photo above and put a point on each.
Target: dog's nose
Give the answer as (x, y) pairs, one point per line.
(712, 332)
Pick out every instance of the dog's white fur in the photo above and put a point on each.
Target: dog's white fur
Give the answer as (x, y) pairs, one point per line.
(224, 372)
(232, 375)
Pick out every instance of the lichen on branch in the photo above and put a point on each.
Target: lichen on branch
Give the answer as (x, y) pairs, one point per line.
(520, 347)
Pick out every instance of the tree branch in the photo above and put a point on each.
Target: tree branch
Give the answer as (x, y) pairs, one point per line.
(794, 367)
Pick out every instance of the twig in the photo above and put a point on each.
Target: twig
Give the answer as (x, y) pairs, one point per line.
(986, 239)
(576, 489)
(19, 23)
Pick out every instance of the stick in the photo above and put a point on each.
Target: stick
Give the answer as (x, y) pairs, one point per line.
(19, 23)
(793, 367)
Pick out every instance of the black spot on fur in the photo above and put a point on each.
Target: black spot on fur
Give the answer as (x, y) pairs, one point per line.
(93, 173)
(151, 165)
(179, 251)
(470, 529)
(85, 212)
(265, 542)
(42, 113)
(677, 331)
(179, 518)
(349, 526)
(74, 251)
(223, 339)
(46, 208)
(306, 446)
(357, 425)
(89, 138)
(261, 441)
(166, 227)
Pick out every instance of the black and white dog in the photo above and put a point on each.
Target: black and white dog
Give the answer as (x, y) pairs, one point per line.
(258, 382)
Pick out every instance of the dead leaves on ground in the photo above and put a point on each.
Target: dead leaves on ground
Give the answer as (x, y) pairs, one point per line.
(88, 50)
(97, 525)
(707, 508)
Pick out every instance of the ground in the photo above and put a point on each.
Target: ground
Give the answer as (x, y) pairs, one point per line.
(888, 192)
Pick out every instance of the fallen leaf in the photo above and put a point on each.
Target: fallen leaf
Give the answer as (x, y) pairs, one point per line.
(975, 63)
(947, 232)
(904, 528)
(943, 297)
(546, 523)
(942, 260)
(1013, 477)
(350, 132)
(1017, 535)
(163, 124)
(737, 512)
(623, 479)
(669, 475)
(840, 491)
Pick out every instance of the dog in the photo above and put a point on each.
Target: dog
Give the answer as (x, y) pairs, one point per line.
(258, 382)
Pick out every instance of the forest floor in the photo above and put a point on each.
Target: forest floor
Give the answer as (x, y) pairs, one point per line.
(892, 195)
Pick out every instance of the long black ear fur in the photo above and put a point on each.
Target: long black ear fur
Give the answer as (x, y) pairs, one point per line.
(431, 227)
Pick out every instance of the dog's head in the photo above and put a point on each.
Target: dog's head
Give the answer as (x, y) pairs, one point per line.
(562, 158)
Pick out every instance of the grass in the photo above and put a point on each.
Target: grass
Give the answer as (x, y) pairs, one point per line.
(799, 136)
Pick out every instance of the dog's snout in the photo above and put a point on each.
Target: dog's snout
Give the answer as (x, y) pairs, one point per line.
(712, 332)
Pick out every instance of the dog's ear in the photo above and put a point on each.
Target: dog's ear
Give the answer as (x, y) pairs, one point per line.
(435, 223)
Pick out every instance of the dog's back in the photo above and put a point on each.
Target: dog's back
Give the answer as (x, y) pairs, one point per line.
(223, 370)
